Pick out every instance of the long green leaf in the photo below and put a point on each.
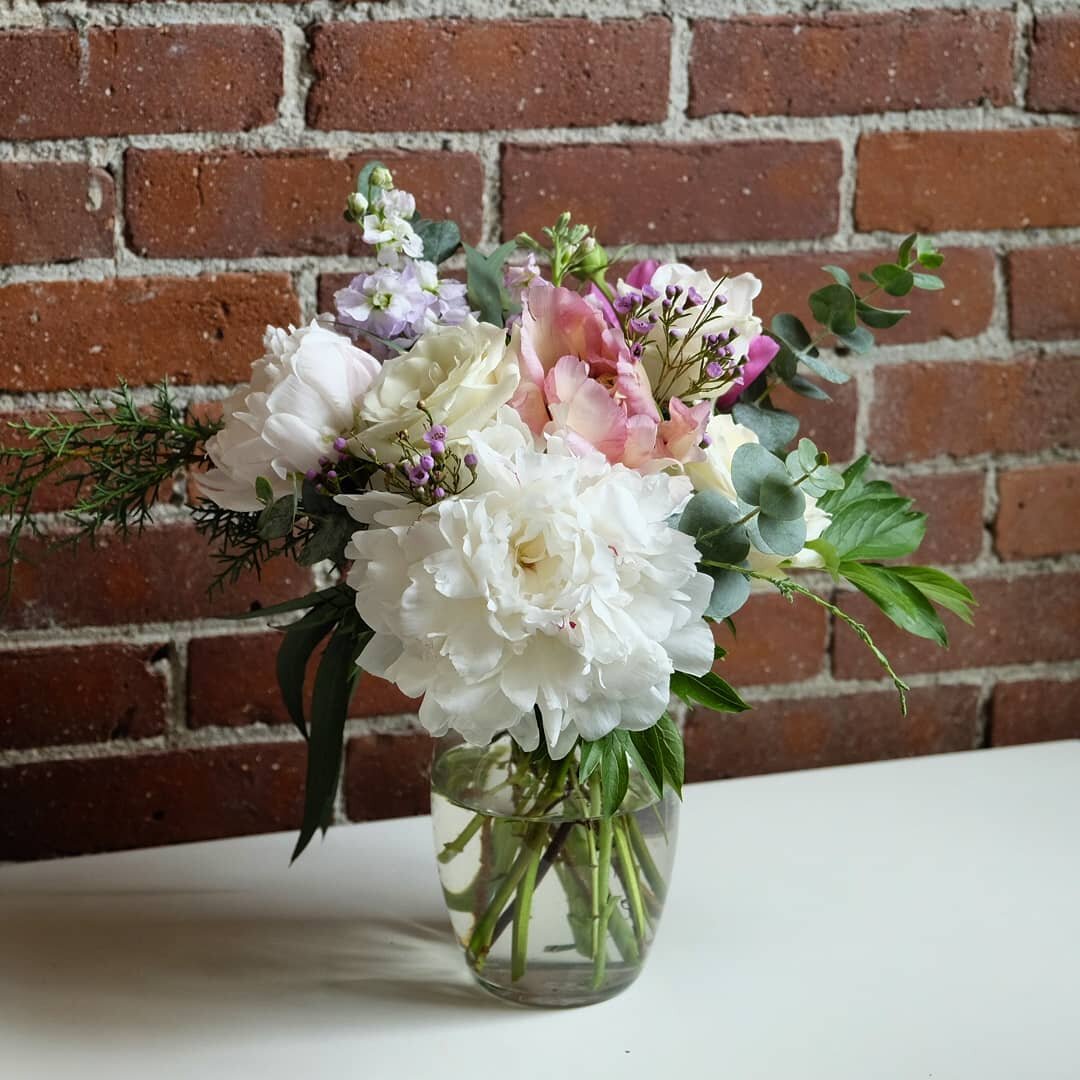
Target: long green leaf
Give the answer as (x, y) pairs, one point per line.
(297, 644)
(876, 528)
(901, 602)
(674, 753)
(708, 690)
(334, 684)
(485, 286)
(614, 774)
(940, 588)
(647, 749)
(338, 594)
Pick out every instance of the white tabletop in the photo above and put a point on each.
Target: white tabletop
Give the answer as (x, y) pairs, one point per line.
(913, 919)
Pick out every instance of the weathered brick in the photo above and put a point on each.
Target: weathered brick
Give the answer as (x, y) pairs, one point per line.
(77, 694)
(676, 193)
(234, 203)
(1039, 710)
(954, 502)
(1044, 293)
(161, 575)
(108, 804)
(52, 211)
(232, 682)
(207, 329)
(1018, 621)
(1054, 75)
(962, 409)
(830, 424)
(936, 180)
(777, 642)
(963, 309)
(1038, 511)
(850, 63)
(473, 75)
(837, 730)
(388, 776)
(138, 80)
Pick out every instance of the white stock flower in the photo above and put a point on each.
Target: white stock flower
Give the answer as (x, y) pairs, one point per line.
(463, 374)
(303, 394)
(554, 581)
(714, 474)
(736, 315)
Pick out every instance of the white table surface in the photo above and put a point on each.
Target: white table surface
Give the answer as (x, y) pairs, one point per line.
(912, 919)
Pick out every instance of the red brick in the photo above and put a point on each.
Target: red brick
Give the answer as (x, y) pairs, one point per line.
(1054, 78)
(233, 203)
(830, 424)
(1038, 511)
(1022, 621)
(1035, 711)
(108, 804)
(961, 409)
(777, 736)
(471, 75)
(937, 180)
(161, 575)
(963, 309)
(850, 63)
(206, 329)
(1044, 293)
(52, 211)
(78, 694)
(232, 681)
(388, 776)
(776, 642)
(676, 193)
(138, 80)
(954, 501)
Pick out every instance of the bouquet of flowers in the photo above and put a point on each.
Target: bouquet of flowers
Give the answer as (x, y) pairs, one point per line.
(534, 495)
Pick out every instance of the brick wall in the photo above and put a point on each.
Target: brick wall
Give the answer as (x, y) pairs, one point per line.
(171, 178)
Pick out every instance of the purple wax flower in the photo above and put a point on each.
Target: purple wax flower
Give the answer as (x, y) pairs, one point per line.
(439, 493)
(340, 443)
(650, 293)
(626, 302)
(470, 460)
(639, 326)
(694, 297)
(427, 462)
(714, 370)
(706, 442)
(418, 476)
(311, 474)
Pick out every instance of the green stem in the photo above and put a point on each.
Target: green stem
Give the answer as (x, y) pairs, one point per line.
(628, 875)
(645, 859)
(621, 933)
(458, 844)
(605, 902)
(519, 949)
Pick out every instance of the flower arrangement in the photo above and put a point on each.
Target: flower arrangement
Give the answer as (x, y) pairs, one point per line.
(532, 494)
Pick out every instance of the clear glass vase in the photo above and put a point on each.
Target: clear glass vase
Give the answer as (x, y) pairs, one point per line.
(552, 903)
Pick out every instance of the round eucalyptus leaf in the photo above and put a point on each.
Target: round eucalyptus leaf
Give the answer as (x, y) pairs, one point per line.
(730, 591)
(750, 465)
(712, 521)
(782, 537)
(781, 499)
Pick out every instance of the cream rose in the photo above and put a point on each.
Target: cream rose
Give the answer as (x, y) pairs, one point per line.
(463, 374)
(714, 474)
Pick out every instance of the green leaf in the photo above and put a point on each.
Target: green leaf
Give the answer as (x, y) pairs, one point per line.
(297, 644)
(926, 253)
(928, 282)
(440, 238)
(895, 280)
(485, 284)
(857, 487)
(674, 753)
(647, 749)
(708, 690)
(876, 529)
(614, 774)
(730, 591)
(806, 389)
(328, 541)
(838, 274)
(277, 519)
(712, 521)
(880, 318)
(834, 307)
(264, 492)
(905, 249)
(591, 753)
(340, 595)
(860, 340)
(822, 369)
(790, 329)
(827, 553)
(363, 181)
(940, 588)
(900, 600)
(334, 684)
(781, 499)
(781, 537)
(773, 427)
(806, 454)
(750, 465)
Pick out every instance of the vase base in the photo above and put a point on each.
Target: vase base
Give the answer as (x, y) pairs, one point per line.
(555, 986)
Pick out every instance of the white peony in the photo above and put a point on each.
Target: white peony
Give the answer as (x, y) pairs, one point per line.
(737, 315)
(463, 374)
(714, 474)
(303, 394)
(555, 581)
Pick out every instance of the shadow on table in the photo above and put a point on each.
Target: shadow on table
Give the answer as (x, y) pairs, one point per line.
(139, 975)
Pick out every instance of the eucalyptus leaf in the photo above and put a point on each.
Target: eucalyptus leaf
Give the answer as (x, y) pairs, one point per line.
(730, 591)
(905, 249)
(838, 274)
(824, 370)
(807, 389)
(880, 318)
(927, 282)
(780, 536)
(773, 427)
(713, 522)
(790, 328)
(781, 499)
(750, 465)
(895, 280)
(363, 181)
(859, 340)
(440, 238)
(485, 281)
(807, 454)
